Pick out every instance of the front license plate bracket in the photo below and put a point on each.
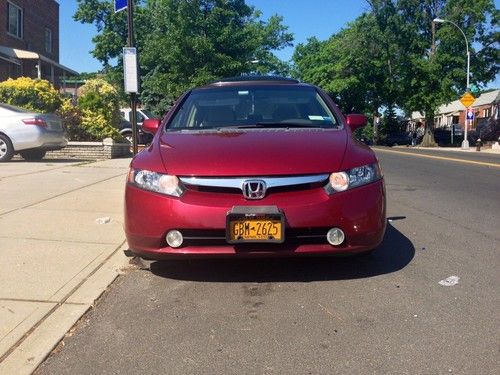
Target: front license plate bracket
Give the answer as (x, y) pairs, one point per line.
(255, 224)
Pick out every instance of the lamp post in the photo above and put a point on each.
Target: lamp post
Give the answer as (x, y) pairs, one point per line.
(465, 143)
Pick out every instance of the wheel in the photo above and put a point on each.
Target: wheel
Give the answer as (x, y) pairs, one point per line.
(128, 137)
(33, 155)
(6, 148)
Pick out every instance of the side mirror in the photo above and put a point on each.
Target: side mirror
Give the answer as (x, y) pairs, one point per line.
(355, 121)
(151, 125)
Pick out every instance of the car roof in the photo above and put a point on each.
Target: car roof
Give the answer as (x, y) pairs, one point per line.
(254, 80)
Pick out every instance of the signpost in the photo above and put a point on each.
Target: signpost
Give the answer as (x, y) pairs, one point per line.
(130, 71)
(467, 100)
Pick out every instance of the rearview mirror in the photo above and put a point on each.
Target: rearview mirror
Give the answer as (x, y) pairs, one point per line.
(355, 121)
(151, 125)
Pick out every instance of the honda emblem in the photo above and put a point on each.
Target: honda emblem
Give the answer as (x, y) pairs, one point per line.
(254, 189)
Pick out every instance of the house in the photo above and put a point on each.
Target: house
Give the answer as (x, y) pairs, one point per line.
(29, 40)
(485, 108)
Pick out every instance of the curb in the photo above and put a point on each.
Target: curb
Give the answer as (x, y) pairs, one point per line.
(38, 343)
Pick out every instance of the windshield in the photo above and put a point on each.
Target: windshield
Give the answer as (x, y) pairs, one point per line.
(247, 107)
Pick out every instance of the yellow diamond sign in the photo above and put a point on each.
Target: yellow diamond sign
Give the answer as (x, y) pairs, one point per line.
(467, 99)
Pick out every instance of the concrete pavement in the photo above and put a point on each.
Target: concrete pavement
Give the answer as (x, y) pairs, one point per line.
(388, 313)
(57, 256)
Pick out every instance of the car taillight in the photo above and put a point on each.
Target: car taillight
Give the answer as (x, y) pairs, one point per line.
(35, 121)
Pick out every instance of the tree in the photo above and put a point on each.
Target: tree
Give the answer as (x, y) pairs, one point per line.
(435, 70)
(391, 57)
(186, 43)
(357, 66)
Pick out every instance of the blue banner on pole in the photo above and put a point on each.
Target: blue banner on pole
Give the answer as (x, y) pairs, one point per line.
(120, 5)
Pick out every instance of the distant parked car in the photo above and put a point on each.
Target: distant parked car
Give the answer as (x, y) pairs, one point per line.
(28, 133)
(126, 125)
(443, 136)
(397, 139)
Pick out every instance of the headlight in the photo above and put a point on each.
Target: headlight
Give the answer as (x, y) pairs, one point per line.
(157, 182)
(340, 181)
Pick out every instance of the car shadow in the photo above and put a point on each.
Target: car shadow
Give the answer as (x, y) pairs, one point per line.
(395, 252)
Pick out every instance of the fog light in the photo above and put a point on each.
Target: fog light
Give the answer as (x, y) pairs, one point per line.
(174, 238)
(335, 236)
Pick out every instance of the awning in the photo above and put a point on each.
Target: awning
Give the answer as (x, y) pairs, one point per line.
(9, 59)
(14, 54)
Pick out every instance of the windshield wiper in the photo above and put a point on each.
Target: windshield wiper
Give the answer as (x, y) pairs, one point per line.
(264, 125)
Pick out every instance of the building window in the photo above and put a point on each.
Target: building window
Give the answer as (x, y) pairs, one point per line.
(487, 113)
(14, 20)
(48, 40)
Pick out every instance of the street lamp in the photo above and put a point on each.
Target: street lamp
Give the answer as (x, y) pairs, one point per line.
(465, 143)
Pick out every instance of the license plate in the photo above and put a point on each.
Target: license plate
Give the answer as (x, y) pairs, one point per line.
(255, 224)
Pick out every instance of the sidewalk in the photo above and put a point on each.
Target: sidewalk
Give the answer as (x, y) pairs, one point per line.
(62, 245)
(471, 149)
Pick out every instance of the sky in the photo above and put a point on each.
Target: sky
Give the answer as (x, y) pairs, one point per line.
(305, 18)
(301, 16)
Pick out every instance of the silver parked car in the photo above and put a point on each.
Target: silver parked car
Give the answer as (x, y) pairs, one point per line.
(28, 133)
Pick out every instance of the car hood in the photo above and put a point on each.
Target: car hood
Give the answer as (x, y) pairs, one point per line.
(262, 152)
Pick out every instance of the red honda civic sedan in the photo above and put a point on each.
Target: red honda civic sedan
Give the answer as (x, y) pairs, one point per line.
(254, 166)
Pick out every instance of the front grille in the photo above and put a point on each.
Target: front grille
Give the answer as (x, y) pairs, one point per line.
(233, 185)
(237, 191)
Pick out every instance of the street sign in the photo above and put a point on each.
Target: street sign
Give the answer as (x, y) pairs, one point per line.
(470, 114)
(120, 5)
(130, 70)
(467, 99)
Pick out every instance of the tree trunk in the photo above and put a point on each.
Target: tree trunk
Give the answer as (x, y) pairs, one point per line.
(428, 139)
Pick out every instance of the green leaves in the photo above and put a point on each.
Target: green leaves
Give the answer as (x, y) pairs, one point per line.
(386, 58)
(187, 43)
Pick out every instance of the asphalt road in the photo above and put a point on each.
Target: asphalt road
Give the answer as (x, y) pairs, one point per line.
(384, 314)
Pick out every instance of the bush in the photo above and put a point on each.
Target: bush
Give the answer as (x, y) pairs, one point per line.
(32, 94)
(99, 105)
(71, 117)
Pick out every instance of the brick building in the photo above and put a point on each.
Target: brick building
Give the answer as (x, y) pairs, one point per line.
(486, 108)
(29, 40)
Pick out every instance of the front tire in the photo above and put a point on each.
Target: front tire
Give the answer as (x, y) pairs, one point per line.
(6, 148)
(33, 155)
(128, 137)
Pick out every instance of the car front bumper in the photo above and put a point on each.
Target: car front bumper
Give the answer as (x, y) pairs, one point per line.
(359, 212)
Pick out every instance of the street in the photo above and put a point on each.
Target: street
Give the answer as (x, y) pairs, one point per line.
(386, 313)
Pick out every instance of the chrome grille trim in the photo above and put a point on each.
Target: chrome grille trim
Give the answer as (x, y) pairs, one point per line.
(237, 182)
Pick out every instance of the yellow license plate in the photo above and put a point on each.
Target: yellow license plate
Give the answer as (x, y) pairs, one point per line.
(255, 230)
